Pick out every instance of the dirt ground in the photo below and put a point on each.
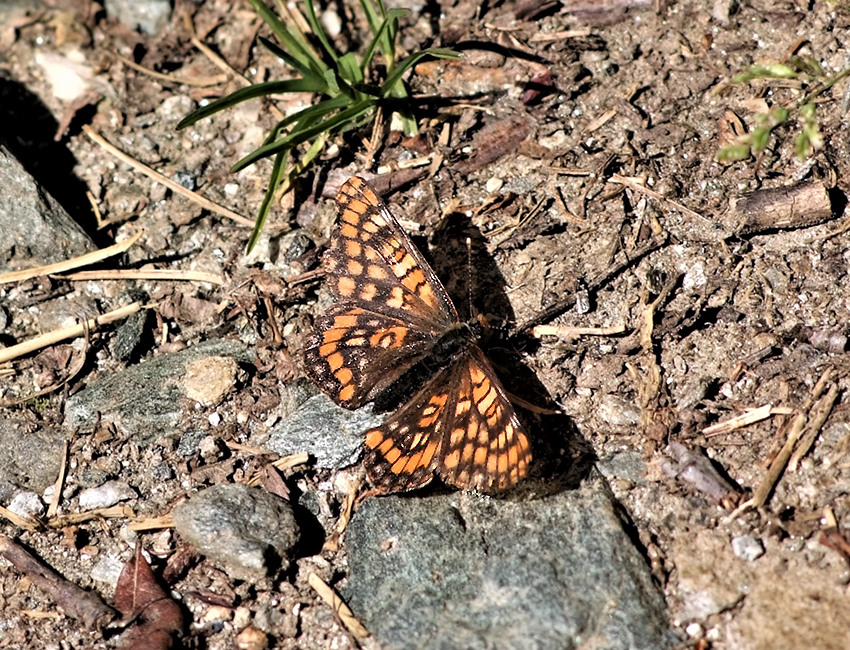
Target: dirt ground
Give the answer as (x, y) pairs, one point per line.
(573, 135)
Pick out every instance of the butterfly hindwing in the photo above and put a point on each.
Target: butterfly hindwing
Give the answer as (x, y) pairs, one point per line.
(460, 425)
(485, 447)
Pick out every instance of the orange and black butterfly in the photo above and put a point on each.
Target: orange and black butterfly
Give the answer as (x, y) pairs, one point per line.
(392, 322)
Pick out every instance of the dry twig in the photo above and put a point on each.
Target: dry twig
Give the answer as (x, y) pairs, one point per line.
(170, 184)
(85, 606)
(777, 467)
(142, 274)
(73, 263)
(65, 333)
(170, 78)
(346, 616)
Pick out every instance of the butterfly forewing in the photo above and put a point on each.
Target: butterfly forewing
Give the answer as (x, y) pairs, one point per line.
(372, 262)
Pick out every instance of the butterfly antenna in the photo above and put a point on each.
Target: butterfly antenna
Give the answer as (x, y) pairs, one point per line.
(470, 278)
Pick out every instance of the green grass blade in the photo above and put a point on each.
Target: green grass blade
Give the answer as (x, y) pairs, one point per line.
(394, 14)
(250, 92)
(265, 206)
(283, 185)
(299, 136)
(413, 59)
(316, 26)
(303, 119)
(306, 71)
(349, 69)
(367, 89)
(372, 16)
(290, 42)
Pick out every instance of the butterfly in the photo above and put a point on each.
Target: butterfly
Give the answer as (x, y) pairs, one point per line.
(393, 322)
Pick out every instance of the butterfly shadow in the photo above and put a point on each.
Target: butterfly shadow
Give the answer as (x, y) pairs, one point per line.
(562, 458)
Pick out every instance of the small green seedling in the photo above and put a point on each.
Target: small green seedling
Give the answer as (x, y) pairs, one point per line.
(813, 81)
(348, 99)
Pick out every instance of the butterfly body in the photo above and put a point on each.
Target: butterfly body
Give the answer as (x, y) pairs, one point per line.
(394, 334)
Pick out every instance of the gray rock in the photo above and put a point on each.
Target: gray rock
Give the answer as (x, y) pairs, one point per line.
(129, 335)
(147, 16)
(618, 413)
(27, 504)
(28, 459)
(329, 433)
(106, 495)
(107, 570)
(146, 401)
(248, 532)
(190, 442)
(627, 464)
(34, 228)
(747, 547)
(469, 571)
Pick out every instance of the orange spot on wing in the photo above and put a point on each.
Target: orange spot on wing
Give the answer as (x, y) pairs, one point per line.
(346, 286)
(344, 376)
(353, 248)
(345, 321)
(333, 334)
(413, 463)
(353, 214)
(376, 272)
(451, 460)
(413, 280)
(457, 436)
(485, 404)
(335, 361)
(396, 298)
(428, 453)
(368, 293)
(468, 452)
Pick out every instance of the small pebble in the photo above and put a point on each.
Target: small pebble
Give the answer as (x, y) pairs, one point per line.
(241, 617)
(106, 495)
(246, 531)
(747, 547)
(209, 379)
(494, 184)
(209, 449)
(695, 631)
(107, 570)
(27, 504)
(217, 613)
(251, 639)
(147, 16)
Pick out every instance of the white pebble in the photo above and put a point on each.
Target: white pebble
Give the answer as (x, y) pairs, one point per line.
(105, 495)
(27, 504)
